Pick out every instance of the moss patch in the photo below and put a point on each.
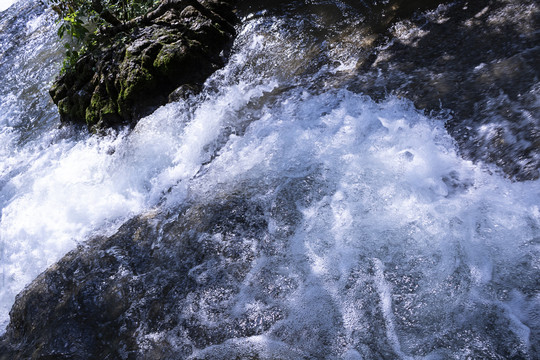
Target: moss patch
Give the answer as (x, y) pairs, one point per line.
(133, 73)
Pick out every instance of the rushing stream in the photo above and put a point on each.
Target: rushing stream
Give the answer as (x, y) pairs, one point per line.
(386, 242)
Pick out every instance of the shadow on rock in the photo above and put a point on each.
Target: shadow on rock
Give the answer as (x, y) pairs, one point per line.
(478, 60)
(105, 299)
(136, 68)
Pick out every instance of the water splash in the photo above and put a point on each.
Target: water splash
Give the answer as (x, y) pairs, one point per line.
(4, 4)
(381, 241)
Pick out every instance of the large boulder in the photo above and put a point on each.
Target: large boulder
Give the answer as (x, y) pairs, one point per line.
(138, 68)
(130, 296)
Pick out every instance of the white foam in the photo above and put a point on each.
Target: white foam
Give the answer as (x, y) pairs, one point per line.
(398, 193)
(390, 204)
(4, 4)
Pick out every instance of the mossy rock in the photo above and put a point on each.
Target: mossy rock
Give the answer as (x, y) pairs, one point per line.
(134, 72)
(99, 109)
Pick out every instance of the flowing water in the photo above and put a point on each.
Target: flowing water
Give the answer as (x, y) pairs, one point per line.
(387, 243)
(4, 4)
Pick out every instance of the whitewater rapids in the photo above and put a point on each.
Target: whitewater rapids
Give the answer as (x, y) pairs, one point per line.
(373, 206)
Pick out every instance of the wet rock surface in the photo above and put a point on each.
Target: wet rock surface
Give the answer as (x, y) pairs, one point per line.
(107, 299)
(474, 63)
(134, 71)
(479, 61)
(226, 279)
(203, 276)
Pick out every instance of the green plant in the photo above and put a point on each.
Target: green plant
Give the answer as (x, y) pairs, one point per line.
(80, 21)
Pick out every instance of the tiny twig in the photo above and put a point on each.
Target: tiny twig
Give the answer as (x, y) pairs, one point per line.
(163, 7)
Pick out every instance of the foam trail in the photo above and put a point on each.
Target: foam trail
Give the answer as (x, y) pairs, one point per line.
(385, 294)
(391, 206)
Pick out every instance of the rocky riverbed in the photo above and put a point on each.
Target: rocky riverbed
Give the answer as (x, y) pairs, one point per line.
(317, 199)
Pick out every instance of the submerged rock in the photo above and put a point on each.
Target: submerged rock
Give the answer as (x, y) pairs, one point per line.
(231, 278)
(474, 64)
(478, 61)
(214, 276)
(135, 70)
(119, 297)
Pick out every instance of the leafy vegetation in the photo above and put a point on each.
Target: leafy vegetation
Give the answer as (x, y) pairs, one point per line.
(80, 21)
